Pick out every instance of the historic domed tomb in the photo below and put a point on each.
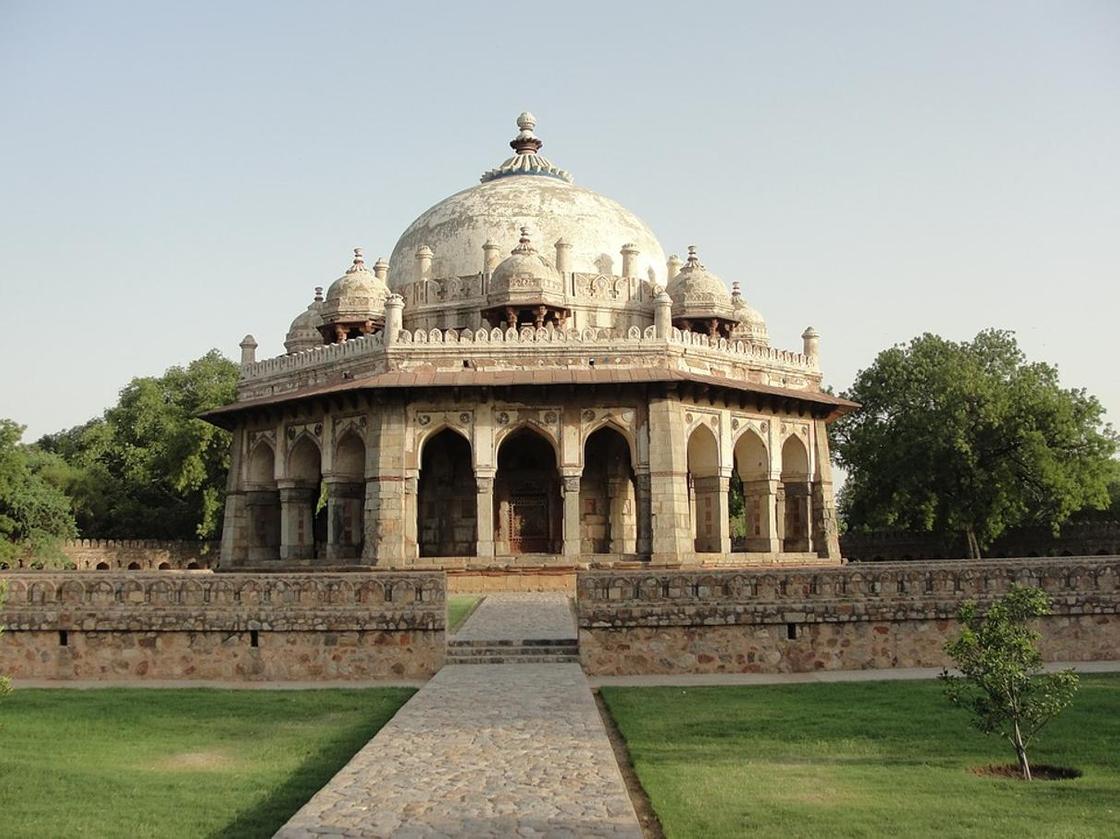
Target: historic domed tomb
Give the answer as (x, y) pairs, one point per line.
(529, 382)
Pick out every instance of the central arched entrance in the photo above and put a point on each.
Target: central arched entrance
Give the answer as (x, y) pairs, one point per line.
(607, 495)
(528, 511)
(446, 508)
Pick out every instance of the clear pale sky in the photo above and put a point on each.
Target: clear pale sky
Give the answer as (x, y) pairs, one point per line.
(175, 175)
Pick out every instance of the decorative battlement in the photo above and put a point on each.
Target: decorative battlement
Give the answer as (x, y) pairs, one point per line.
(880, 591)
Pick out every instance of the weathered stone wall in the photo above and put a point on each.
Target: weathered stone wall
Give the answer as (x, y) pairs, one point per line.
(136, 555)
(101, 625)
(854, 617)
(1076, 539)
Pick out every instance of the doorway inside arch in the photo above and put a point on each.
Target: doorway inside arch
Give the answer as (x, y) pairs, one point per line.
(527, 506)
(446, 506)
(608, 512)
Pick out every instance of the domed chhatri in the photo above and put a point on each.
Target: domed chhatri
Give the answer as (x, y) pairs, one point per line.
(525, 286)
(304, 333)
(533, 384)
(355, 303)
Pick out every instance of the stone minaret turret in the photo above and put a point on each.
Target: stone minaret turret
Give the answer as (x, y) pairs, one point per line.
(423, 263)
(812, 341)
(630, 260)
(248, 350)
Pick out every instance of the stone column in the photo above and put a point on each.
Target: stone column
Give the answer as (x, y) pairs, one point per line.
(621, 516)
(297, 525)
(713, 532)
(262, 540)
(484, 515)
(411, 515)
(572, 541)
(797, 508)
(663, 316)
(642, 503)
(762, 525)
(826, 539)
(671, 539)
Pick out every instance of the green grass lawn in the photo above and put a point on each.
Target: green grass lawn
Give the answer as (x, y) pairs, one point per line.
(167, 763)
(459, 608)
(865, 759)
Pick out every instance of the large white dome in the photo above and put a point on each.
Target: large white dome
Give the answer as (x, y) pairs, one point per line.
(526, 190)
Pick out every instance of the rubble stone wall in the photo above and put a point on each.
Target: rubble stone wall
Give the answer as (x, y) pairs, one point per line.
(167, 625)
(848, 618)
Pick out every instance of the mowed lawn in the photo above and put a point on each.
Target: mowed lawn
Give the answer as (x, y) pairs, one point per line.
(459, 608)
(169, 763)
(864, 759)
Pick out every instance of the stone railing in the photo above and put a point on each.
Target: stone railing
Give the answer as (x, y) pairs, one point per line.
(634, 338)
(153, 602)
(891, 592)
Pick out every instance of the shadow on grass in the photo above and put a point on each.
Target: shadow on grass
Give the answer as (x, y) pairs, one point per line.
(269, 814)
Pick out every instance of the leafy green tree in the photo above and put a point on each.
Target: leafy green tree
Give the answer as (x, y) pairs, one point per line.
(1001, 681)
(969, 438)
(149, 468)
(35, 514)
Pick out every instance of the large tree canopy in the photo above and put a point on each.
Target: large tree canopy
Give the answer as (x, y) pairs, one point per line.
(970, 438)
(149, 468)
(34, 513)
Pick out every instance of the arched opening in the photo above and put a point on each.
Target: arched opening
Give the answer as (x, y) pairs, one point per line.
(751, 495)
(102, 566)
(607, 495)
(704, 490)
(527, 504)
(165, 566)
(344, 494)
(262, 505)
(303, 503)
(796, 491)
(446, 508)
(192, 566)
(134, 566)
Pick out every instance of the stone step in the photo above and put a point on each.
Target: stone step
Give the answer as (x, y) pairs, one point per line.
(515, 659)
(515, 642)
(511, 652)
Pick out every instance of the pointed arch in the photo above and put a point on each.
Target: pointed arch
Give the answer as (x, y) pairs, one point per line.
(262, 464)
(797, 493)
(608, 493)
(527, 501)
(613, 424)
(795, 459)
(305, 460)
(704, 490)
(529, 425)
(350, 456)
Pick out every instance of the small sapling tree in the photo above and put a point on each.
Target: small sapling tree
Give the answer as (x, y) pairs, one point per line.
(5, 685)
(1001, 680)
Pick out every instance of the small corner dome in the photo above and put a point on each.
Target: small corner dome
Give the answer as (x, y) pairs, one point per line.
(696, 290)
(525, 270)
(303, 334)
(357, 297)
(751, 325)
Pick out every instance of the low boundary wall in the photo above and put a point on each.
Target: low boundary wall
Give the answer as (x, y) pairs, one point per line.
(848, 618)
(168, 625)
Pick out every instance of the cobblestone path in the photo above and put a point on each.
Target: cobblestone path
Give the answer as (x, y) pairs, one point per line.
(517, 616)
(485, 751)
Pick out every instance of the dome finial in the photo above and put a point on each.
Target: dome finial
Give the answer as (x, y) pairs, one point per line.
(524, 244)
(359, 262)
(318, 294)
(526, 142)
(693, 258)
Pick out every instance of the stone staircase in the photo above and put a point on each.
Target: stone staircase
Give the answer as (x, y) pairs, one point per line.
(524, 651)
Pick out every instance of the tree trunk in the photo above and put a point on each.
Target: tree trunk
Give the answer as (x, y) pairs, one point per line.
(1021, 753)
(973, 544)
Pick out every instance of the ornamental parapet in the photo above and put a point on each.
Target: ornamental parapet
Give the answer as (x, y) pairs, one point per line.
(880, 592)
(425, 347)
(164, 601)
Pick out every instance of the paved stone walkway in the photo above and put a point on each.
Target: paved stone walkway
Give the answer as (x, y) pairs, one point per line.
(485, 750)
(519, 616)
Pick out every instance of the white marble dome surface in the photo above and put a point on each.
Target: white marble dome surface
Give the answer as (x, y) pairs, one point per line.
(457, 227)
